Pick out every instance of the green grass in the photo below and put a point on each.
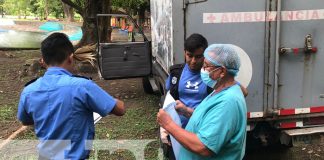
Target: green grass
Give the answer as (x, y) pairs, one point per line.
(138, 123)
(25, 54)
(29, 134)
(151, 152)
(8, 112)
(1, 97)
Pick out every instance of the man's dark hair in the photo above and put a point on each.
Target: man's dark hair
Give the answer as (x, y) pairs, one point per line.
(56, 48)
(194, 42)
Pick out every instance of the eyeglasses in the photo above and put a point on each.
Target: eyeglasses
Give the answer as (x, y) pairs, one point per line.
(208, 66)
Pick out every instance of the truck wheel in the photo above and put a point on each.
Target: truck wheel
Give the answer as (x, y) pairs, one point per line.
(147, 86)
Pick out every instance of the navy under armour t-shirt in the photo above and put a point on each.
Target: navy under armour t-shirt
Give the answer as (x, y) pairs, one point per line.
(191, 90)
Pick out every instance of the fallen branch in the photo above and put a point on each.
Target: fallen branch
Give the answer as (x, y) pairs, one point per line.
(12, 136)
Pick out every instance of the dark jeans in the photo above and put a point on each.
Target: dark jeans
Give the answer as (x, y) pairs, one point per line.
(169, 151)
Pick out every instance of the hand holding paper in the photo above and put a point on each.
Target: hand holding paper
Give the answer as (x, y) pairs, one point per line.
(169, 107)
(166, 116)
(163, 118)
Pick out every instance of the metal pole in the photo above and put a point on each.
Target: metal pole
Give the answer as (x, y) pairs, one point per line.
(276, 82)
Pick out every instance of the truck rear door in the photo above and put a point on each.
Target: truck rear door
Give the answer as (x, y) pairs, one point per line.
(129, 52)
(301, 58)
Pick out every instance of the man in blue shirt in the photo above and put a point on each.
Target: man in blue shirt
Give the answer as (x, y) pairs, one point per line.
(184, 81)
(217, 128)
(61, 105)
(185, 84)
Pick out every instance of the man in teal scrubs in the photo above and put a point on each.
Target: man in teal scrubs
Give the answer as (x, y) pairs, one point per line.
(217, 128)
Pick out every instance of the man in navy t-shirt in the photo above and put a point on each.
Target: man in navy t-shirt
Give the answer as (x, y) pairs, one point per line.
(184, 82)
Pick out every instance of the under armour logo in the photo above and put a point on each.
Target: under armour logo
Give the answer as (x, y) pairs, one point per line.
(189, 85)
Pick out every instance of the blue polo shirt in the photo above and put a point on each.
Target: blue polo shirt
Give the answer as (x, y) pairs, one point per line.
(192, 90)
(61, 107)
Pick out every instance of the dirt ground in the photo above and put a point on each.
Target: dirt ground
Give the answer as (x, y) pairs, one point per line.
(12, 80)
(18, 67)
(33, 26)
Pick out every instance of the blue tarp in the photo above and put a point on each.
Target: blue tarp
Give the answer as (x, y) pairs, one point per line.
(76, 36)
(51, 26)
(123, 31)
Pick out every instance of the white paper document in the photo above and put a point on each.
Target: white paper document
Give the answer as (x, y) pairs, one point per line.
(169, 106)
(96, 117)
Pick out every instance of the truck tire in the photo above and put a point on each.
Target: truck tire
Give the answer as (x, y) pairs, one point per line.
(147, 86)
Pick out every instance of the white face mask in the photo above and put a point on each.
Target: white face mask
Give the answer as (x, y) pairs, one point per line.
(204, 74)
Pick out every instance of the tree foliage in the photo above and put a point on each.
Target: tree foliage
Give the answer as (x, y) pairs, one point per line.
(16, 7)
(39, 8)
(131, 6)
(88, 9)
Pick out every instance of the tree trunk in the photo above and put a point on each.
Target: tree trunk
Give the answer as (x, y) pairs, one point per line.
(89, 22)
(46, 10)
(89, 13)
(141, 17)
(68, 12)
(105, 22)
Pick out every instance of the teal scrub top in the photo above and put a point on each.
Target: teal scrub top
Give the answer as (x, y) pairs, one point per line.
(219, 121)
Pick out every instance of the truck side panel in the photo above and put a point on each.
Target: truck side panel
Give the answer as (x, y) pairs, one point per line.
(162, 27)
(249, 36)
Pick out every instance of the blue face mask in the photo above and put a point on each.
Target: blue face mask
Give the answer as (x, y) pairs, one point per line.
(204, 74)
